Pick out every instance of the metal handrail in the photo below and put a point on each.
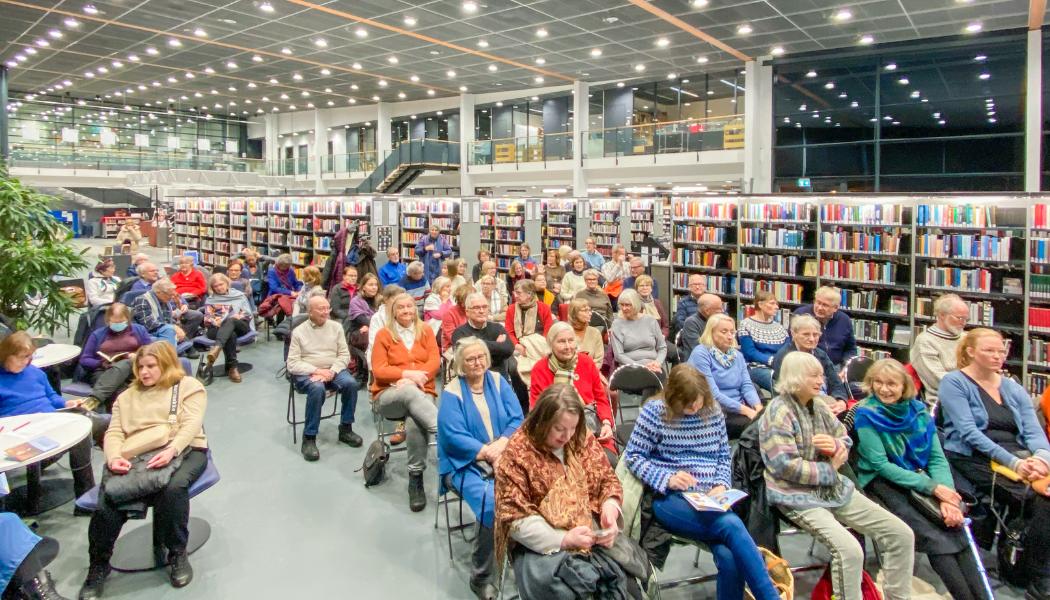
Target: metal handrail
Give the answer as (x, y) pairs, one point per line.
(669, 123)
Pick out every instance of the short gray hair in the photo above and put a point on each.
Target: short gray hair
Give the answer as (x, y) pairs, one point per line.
(138, 258)
(794, 370)
(164, 286)
(558, 328)
(590, 272)
(800, 322)
(184, 258)
(283, 260)
(462, 346)
(474, 296)
(631, 297)
(945, 302)
(525, 285)
(828, 291)
(415, 267)
(141, 268)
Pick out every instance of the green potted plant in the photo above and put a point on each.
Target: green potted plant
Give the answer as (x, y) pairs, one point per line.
(34, 247)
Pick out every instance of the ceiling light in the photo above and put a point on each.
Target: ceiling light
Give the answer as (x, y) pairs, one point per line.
(672, 76)
(392, 60)
(361, 32)
(200, 32)
(470, 6)
(619, 84)
(321, 43)
(991, 120)
(265, 99)
(30, 50)
(55, 34)
(410, 21)
(596, 52)
(325, 72)
(330, 103)
(284, 96)
(493, 68)
(304, 94)
(866, 40)
(854, 104)
(286, 50)
(353, 86)
(903, 81)
(700, 3)
(43, 43)
(450, 73)
(356, 66)
(72, 23)
(87, 74)
(189, 75)
(483, 44)
(231, 89)
(251, 85)
(843, 95)
(90, 9)
(266, 7)
(297, 76)
(382, 83)
(538, 79)
(117, 64)
(172, 80)
(352, 101)
(541, 32)
(231, 65)
(103, 70)
(843, 15)
(152, 51)
(175, 43)
(431, 92)
(915, 94)
(541, 61)
(811, 74)
(777, 51)
(984, 76)
(257, 58)
(829, 85)
(890, 67)
(401, 95)
(701, 60)
(974, 27)
(198, 95)
(273, 80)
(663, 42)
(376, 98)
(639, 67)
(744, 29)
(980, 58)
(462, 88)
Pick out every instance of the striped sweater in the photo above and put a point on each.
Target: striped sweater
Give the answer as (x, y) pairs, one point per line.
(694, 444)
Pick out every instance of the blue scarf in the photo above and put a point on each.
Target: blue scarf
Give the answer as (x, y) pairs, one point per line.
(497, 415)
(905, 428)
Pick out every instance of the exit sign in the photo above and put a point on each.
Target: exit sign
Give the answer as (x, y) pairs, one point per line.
(804, 182)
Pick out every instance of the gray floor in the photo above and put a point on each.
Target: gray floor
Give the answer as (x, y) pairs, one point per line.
(282, 527)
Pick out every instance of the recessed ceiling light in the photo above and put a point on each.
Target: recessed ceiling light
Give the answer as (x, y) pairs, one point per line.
(541, 61)
(619, 84)
(744, 29)
(392, 60)
(890, 67)
(321, 43)
(980, 58)
(414, 78)
(843, 15)
(811, 74)
(450, 73)
(257, 58)
(829, 85)
(663, 42)
(117, 64)
(538, 79)
(252, 85)
(700, 3)
(903, 81)
(175, 43)
(353, 86)
(639, 68)
(915, 94)
(273, 80)
(672, 75)
(284, 96)
(356, 66)
(431, 92)
(172, 80)
(43, 43)
(286, 50)
(483, 44)
(992, 120)
(409, 21)
(30, 50)
(401, 95)
(297, 76)
(470, 6)
(189, 75)
(305, 94)
(90, 9)
(701, 60)
(376, 98)
(462, 88)
(866, 40)
(974, 27)
(87, 74)
(854, 104)
(777, 51)
(209, 70)
(984, 76)
(231, 65)
(541, 33)
(102, 70)
(493, 68)
(55, 34)
(199, 32)
(352, 101)
(382, 83)
(152, 51)
(361, 32)
(266, 7)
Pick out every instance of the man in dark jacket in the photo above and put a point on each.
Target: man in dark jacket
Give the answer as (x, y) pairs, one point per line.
(689, 336)
(490, 332)
(805, 337)
(689, 304)
(836, 336)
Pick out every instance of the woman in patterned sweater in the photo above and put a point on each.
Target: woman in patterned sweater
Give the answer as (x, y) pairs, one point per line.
(760, 336)
(679, 444)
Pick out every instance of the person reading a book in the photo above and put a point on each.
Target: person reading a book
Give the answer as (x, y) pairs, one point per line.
(901, 465)
(142, 424)
(803, 446)
(105, 360)
(25, 390)
(479, 412)
(990, 428)
(679, 445)
(836, 336)
(719, 360)
(558, 502)
(933, 352)
(227, 316)
(805, 337)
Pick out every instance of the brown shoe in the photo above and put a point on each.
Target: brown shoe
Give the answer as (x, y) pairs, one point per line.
(398, 437)
(213, 354)
(234, 375)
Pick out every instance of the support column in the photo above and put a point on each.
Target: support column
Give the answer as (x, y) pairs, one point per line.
(383, 139)
(1033, 118)
(5, 151)
(271, 151)
(320, 151)
(466, 141)
(758, 128)
(581, 118)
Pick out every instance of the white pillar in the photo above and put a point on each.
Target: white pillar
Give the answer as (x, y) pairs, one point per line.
(1033, 118)
(466, 140)
(271, 149)
(383, 141)
(581, 117)
(758, 128)
(320, 150)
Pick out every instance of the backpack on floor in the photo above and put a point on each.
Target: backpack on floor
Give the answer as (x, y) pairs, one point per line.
(868, 591)
(374, 466)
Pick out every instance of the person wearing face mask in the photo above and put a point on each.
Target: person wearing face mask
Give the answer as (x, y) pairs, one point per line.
(719, 360)
(933, 352)
(805, 337)
(105, 361)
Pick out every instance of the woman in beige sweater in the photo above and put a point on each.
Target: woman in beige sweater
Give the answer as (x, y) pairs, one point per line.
(142, 422)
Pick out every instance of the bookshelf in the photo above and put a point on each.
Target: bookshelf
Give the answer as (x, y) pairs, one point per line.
(508, 229)
(418, 214)
(488, 227)
(559, 224)
(1037, 326)
(642, 212)
(704, 237)
(605, 224)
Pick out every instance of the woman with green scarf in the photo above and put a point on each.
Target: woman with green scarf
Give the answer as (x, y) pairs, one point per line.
(899, 455)
(566, 364)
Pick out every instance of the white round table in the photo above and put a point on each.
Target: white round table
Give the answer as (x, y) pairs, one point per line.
(54, 354)
(66, 429)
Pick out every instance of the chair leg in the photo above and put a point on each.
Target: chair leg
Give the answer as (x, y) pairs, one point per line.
(290, 417)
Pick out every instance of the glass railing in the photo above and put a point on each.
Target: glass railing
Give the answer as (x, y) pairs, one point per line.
(109, 159)
(354, 162)
(691, 135)
(522, 149)
(424, 154)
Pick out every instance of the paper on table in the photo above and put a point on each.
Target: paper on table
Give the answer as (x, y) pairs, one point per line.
(39, 425)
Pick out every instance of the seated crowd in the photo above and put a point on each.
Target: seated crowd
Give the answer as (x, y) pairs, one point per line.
(524, 420)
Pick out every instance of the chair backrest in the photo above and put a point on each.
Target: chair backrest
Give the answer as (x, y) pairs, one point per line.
(856, 368)
(563, 312)
(599, 322)
(634, 378)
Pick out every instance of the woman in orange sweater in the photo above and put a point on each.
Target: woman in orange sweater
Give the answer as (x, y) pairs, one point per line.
(405, 361)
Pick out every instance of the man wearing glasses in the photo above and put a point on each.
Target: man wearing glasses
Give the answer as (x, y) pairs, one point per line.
(933, 353)
(836, 336)
(490, 332)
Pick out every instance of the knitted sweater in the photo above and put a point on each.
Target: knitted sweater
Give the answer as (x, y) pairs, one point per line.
(933, 355)
(27, 392)
(697, 445)
(315, 347)
(190, 283)
(391, 358)
(731, 386)
(759, 341)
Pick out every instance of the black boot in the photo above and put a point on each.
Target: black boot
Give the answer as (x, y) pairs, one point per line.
(309, 449)
(192, 354)
(417, 497)
(181, 573)
(1039, 589)
(41, 587)
(95, 581)
(348, 437)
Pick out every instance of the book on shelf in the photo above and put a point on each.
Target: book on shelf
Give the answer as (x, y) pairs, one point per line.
(974, 280)
(969, 215)
(784, 212)
(964, 247)
(1013, 285)
(901, 335)
(862, 214)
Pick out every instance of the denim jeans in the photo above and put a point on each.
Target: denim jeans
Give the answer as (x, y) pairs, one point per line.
(165, 333)
(343, 382)
(762, 377)
(736, 556)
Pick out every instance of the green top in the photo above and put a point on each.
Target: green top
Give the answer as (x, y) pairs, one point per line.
(873, 460)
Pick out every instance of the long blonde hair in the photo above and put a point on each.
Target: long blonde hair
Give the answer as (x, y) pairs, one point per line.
(391, 322)
(171, 371)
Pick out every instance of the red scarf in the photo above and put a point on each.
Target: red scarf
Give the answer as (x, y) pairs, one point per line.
(351, 289)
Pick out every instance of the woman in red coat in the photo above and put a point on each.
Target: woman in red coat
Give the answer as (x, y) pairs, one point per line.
(566, 365)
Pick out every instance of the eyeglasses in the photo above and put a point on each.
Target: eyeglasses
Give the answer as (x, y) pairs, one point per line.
(478, 307)
(961, 319)
(474, 360)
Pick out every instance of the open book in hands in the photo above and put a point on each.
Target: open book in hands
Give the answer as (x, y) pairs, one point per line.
(720, 502)
(112, 358)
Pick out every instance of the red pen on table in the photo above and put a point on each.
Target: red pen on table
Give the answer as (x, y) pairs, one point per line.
(21, 426)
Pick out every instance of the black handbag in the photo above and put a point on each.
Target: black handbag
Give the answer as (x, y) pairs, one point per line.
(141, 481)
(1010, 546)
(374, 466)
(929, 506)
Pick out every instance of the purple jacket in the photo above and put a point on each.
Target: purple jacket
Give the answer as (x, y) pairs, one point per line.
(89, 356)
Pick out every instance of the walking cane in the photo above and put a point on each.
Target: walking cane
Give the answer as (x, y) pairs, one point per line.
(977, 558)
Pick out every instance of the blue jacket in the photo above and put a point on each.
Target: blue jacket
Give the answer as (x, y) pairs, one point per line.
(834, 386)
(431, 265)
(686, 308)
(391, 272)
(965, 420)
(16, 542)
(27, 392)
(89, 358)
(730, 385)
(594, 261)
(836, 336)
(276, 287)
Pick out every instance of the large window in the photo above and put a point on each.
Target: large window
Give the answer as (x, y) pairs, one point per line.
(919, 117)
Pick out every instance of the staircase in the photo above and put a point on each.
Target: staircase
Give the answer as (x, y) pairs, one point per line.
(407, 162)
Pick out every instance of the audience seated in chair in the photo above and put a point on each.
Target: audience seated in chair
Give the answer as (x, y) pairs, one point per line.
(552, 267)
(416, 284)
(688, 305)
(527, 315)
(455, 316)
(637, 268)
(479, 412)
(227, 317)
(283, 288)
(493, 335)
(394, 269)
(717, 358)
(101, 286)
(689, 336)
(516, 272)
(651, 305)
(341, 294)
(148, 274)
(437, 302)
(588, 338)
(381, 316)
(487, 285)
(25, 390)
(636, 338)
(457, 274)
(543, 293)
(405, 362)
(596, 297)
(556, 495)
(257, 273)
(836, 337)
(760, 337)
(989, 419)
(139, 413)
(679, 444)
(190, 284)
(803, 448)
(317, 361)
(136, 260)
(360, 309)
(898, 455)
(932, 354)
(311, 287)
(118, 340)
(572, 283)
(159, 312)
(805, 337)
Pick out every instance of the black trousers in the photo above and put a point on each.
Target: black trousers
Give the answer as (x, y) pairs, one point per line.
(736, 423)
(45, 551)
(226, 335)
(106, 384)
(191, 322)
(171, 512)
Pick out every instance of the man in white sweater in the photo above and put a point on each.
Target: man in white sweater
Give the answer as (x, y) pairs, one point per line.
(933, 353)
(317, 361)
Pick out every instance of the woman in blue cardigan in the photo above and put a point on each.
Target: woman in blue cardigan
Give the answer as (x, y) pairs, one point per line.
(679, 444)
(989, 419)
(478, 414)
(719, 360)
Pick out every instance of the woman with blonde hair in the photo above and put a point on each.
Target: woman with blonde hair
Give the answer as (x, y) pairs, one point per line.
(311, 287)
(457, 272)
(719, 360)
(143, 426)
(588, 339)
(678, 445)
(438, 300)
(227, 316)
(405, 362)
(572, 282)
(651, 305)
